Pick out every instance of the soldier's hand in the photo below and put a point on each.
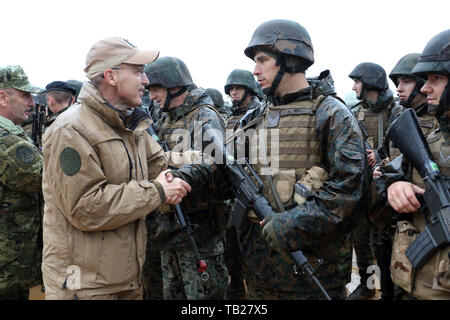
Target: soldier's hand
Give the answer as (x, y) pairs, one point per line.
(269, 233)
(175, 189)
(377, 172)
(371, 158)
(402, 196)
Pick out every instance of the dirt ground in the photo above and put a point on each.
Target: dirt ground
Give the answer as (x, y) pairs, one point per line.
(36, 294)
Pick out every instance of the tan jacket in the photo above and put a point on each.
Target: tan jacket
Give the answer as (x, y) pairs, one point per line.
(94, 229)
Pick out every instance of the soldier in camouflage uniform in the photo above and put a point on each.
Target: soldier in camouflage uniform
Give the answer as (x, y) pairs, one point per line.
(317, 134)
(219, 104)
(402, 186)
(376, 111)
(188, 109)
(244, 92)
(20, 183)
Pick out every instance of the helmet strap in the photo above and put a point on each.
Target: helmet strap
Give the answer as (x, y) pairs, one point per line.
(170, 97)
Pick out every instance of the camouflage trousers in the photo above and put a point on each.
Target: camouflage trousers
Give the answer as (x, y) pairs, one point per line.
(182, 281)
(362, 239)
(233, 260)
(151, 271)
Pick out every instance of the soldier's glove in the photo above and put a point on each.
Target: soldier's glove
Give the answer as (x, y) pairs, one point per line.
(270, 235)
(136, 117)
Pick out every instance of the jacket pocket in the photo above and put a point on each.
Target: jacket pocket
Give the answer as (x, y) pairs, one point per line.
(116, 256)
(401, 268)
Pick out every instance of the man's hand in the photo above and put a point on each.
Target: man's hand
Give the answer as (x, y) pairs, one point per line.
(402, 196)
(371, 158)
(376, 172)
(175, 189)
(269, 233)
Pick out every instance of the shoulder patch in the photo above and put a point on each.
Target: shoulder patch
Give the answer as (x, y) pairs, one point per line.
(25, 154)
(70, 161)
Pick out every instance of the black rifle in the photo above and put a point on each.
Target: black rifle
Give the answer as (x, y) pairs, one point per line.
(201, 263)
(38, 123)
(247, 187)
(407, 136)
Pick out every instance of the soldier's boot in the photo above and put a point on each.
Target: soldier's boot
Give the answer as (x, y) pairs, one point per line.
(236, 289)
(362, 292)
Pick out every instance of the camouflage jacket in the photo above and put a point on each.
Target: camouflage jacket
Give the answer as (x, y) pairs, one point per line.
(321, 225)
(238, 112)
(20, 218)
(190, 117)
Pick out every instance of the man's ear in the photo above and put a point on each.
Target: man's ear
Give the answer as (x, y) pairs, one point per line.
(4, 98)
(110, 77)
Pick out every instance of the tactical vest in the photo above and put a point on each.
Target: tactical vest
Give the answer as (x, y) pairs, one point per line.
(432, 280)
(374, 123)
(427, 123)
(232, 120)
(294, 149)
(180, 137)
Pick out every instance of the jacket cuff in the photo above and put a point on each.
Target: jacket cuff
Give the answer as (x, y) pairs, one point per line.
(160, 189)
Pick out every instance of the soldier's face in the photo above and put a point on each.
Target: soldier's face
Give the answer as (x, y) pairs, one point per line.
(20, 105)
(434, 87)
(131, 84)
(158, 94)
(357, 87)
(265, 69)
(237, 92)
(405, 87)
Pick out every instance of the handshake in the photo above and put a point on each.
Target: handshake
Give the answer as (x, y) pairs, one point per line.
(175, 189)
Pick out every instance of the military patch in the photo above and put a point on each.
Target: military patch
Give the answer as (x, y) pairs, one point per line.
(70, 161)
(25, 154)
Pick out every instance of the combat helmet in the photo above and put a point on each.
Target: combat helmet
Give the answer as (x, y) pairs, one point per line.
(240, 77)
(289, 41)
(216, 97)
(76, 85)
(404, 68)
(435, 58)
(169, 72)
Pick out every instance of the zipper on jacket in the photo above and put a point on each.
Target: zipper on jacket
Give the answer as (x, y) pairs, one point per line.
(129, 161)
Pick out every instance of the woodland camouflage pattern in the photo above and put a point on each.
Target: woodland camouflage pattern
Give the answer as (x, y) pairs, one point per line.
(20, 221)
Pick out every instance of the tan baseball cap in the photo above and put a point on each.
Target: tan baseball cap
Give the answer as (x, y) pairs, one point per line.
(110, 52)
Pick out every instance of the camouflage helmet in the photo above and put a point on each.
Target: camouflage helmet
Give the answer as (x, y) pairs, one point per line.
(404, 67)
(216, 97)
(40, 99)
(168, 72)
(435, 57)
(371, 75)
(76, 85)
(283, 36)
(240, 77)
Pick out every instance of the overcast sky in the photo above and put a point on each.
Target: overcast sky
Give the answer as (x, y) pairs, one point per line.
(50, 39)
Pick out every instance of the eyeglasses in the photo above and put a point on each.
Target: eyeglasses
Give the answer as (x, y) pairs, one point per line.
(138, 69)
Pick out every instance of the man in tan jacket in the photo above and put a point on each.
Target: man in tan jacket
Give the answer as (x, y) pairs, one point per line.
(103, 174)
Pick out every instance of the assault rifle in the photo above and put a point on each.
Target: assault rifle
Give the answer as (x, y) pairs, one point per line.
(36, 129)
(201, 263)
(247, 187)
(407, 136)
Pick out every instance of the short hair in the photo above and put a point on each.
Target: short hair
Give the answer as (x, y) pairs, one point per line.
(60, 96)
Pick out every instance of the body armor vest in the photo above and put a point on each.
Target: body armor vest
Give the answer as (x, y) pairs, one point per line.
(428, 124)
(292, 147)
(374, 123)
(432, 280)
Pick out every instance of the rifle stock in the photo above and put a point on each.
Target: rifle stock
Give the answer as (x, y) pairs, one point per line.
(406, 134)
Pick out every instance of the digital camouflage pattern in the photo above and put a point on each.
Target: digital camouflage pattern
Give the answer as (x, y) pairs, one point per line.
(181, 264)
(20, 221)
(15, 77)
(320, 226)
(151, 270)
(210, 218)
